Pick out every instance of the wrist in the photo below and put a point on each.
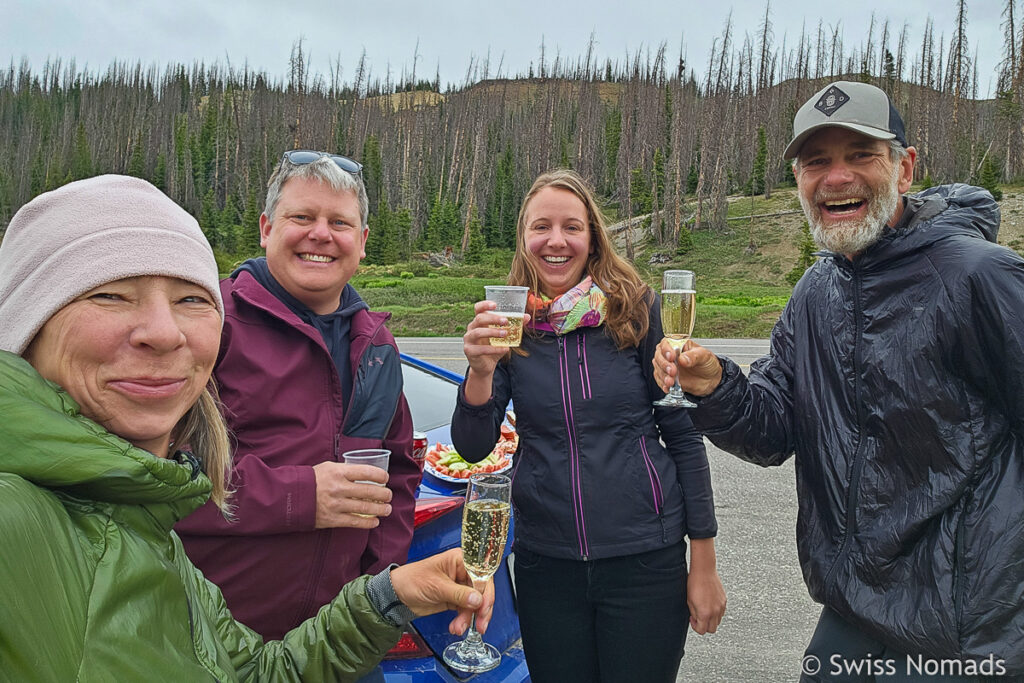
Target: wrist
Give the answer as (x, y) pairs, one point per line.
(702, 556)
(381, 594)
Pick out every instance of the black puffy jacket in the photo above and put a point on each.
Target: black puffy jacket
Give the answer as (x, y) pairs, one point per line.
(898, 381)
(591, 477)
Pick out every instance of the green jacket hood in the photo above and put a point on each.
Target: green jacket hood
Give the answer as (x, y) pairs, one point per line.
(46, 440)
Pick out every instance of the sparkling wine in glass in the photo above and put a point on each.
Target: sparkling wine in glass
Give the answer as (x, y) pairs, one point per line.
(485, 521)
(678, 311)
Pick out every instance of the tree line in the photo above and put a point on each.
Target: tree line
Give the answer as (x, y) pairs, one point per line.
(655, 134)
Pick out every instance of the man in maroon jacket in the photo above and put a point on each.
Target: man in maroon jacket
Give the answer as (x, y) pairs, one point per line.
(306, 372)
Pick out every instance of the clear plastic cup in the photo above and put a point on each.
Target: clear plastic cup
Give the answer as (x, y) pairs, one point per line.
(511, 301)
(377, 457)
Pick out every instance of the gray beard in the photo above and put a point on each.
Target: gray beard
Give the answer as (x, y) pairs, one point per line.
(853, 237)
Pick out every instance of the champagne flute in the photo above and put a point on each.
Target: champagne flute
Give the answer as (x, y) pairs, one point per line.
(485, 521)
(678, 310)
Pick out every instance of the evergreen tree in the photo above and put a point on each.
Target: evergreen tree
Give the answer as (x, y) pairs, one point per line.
(204, 148)
(806, 258)
(209, 219)
(373, 172)
(659, 178)
(693, 174)
(81, 157)
(475, 247)
(229, 224)
(249, 241)
(137, 161)
(988, 178)
(503, 205)
(640, 192)
(430, 236)
(401, 222)
(888, 72)
(685, 244)
(451, 225)
(182, 149)
(376, 241)
(160, 172)
(37, 175)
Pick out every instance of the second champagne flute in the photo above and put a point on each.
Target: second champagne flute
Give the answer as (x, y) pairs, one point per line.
(484, 532)
(678, 311)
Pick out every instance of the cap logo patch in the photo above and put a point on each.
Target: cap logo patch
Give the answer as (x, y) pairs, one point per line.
(831, 100)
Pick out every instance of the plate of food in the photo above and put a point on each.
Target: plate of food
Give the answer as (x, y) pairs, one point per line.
(445, 463)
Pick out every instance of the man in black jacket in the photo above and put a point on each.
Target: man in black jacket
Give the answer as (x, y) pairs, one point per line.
(896, 377)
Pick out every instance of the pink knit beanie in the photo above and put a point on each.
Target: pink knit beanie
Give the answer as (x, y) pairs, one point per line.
(85, 234)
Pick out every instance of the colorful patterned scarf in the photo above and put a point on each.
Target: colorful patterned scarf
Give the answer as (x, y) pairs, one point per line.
(581, 306)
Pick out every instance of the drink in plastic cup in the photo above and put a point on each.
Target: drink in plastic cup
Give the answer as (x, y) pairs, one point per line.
(511, 302)
(377, 457)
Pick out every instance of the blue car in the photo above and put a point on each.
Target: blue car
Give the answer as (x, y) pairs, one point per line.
(430, 391)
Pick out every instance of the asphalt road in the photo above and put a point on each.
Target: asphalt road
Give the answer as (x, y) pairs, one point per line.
(447, 351)
(770, 618)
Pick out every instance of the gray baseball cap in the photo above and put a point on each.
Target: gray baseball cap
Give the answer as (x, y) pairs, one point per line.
(856, 106)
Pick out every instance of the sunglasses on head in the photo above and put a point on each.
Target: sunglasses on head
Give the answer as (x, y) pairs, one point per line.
(300, 157)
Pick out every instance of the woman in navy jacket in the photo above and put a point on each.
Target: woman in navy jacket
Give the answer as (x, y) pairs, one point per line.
(605, 486)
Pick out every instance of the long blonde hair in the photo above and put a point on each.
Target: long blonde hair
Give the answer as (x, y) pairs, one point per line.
(627, 314)
(203, 431)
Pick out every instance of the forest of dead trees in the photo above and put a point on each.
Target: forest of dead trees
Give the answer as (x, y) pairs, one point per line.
(653, 133)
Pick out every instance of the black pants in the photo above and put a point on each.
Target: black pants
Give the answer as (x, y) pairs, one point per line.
(839, 652)
(619, 620)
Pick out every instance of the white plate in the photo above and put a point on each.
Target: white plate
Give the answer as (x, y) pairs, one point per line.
(429, 468)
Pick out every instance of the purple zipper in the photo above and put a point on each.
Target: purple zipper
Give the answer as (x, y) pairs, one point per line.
(574, 456)
(652, 475)
(581, 354)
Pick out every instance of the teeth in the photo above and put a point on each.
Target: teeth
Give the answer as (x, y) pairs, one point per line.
(843, 202)
(316, 258)
(556, 259)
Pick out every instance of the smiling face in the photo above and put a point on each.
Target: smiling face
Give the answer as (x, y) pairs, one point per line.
(850, 188)
(314, 242)
(557, 238)
(134, 353)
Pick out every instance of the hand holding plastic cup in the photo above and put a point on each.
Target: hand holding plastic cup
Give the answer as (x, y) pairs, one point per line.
(375, 457)
(511, 301)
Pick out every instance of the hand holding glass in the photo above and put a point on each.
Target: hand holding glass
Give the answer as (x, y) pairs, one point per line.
(376, 457)
(485, 521)
(511, 303)
(678, 311)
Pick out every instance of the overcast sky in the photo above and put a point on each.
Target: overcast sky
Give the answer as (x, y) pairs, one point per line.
(451, 33)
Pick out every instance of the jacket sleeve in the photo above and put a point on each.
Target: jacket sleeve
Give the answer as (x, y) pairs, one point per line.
(476, 429)
(992, 308)
(390, 541)
(683, 443)
(343, 641)
(752, 417)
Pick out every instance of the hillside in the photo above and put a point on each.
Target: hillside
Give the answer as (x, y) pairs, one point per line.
(741, 272)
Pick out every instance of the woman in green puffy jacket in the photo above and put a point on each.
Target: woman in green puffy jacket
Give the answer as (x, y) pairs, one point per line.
(111, 322)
